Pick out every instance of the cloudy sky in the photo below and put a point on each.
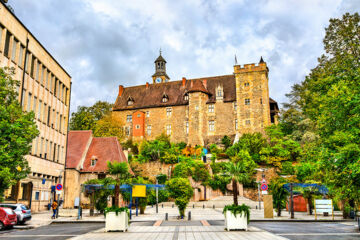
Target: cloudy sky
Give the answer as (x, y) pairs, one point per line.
(103, 44)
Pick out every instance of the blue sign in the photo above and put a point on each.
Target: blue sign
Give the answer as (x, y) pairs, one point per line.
(264, 187)
(43, 181)
(205, 151)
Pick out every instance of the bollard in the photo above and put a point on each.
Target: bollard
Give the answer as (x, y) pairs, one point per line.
(214, 206)
(166, 216)
(193, 205)
(203, 206)
(189, 216)
(256, 206)
(162, 205)
(152, 205)
(173, 206)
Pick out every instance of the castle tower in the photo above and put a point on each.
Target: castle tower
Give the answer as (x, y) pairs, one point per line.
(160, 75)
(252, 96)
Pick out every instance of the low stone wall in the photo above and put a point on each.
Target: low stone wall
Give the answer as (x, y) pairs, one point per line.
(68, 212)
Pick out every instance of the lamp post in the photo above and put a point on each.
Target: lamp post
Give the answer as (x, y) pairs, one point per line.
(262, 170)
(58, 195)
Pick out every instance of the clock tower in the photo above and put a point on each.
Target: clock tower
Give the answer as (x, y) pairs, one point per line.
(160, 75)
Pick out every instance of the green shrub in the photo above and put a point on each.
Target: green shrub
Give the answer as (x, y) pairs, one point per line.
(219, 182)
(238, 209)
(163, 196)
(180, 190)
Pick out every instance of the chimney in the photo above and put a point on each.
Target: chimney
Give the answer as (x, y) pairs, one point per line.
(183, 81)
(191, 83)
(147, 85)
(205, 83)
(121, 90)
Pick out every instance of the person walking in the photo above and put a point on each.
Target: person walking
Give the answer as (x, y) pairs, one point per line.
(54, 208)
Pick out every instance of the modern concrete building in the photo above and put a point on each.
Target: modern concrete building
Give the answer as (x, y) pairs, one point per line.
(45, 89)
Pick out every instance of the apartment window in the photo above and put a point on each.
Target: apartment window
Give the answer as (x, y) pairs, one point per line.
(23, 102)
(211, 126)
(129, 118)
(21, 53)
(147, 113)
(41, 147)
(236, 124)
(35, 145)
(235, 106)
(32, 66)
(211, 108)
(27, 61)
(247, 101)
(42, 75)
(7, 44)
(37, 195)
(247, 122)
(58, 153)
(168, 129)
(46, 78)
(29, 102)
(56, 88)
(37, 71)
(246, 84)
(57, 121)
(168, 112)
(48, 116)
(137, 126)
(187, 127)
(50, 151)
(44, 113)
(13, 54)
(60, 120)
(34, 105)
(46, 149)
(53, 121)
(54, 153)
(149, 130)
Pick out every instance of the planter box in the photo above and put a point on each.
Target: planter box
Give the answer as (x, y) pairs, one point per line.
(235, 222)
(116, 223)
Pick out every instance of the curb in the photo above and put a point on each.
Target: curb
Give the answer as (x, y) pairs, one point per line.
(76, 221)
(300, 220)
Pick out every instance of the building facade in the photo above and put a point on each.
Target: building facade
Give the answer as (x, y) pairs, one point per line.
(45, 90)
(87, 158)
(197, 111)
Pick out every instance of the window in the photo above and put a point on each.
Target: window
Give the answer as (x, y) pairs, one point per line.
(130, 101)
(7, 44)
(219, 91)
(168, 129)
(137, 126)
(168, 112)
(41, 147)
(23, 102)
(211, 126)
(129, 118)
(58, 154)
(93, 161)
(42, 75)
(46, 149)
(127, 131)
(35, 145)
(60, 120)
(186, 97)
(34, 105)
(147, 113)
(50, 151)
(29, 102)
(37, 70)
(13, 54)
(211, 108)
(27, 61)
(236, 124)
(138, 115)
(46, 78)
(235, 106)
(196, 107)
(21, 53)
(247, 101)
(37, 195)
(247, 122)
(165, 99)
(48, 116)
(187, 127)
(149, 130)
(32, 65)
(246, 84)
(44, 113)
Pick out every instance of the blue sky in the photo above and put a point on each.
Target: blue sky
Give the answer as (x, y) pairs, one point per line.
(103, 44)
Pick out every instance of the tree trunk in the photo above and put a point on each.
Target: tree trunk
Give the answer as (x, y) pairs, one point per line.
(279, 211)
(117, 192)
(235, 192)
(310, 205)
(92, 204)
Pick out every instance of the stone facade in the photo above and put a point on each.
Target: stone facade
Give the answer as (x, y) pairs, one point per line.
(198, 111)
(45, 90)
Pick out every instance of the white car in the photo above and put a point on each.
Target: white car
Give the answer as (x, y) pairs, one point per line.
(22, 212)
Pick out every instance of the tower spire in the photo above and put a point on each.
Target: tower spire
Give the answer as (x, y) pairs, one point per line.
(261, 60)
(236, 63)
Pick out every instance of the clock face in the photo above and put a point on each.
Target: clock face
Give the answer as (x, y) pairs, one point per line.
(158, 80)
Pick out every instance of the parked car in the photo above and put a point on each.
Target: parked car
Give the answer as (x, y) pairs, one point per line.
(7, 218)
(22, 212)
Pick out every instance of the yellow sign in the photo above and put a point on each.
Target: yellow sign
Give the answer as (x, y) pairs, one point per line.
(139, 191)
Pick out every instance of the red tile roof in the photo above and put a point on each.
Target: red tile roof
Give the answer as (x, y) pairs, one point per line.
(77, 143)
(198, 86)
(104, 149)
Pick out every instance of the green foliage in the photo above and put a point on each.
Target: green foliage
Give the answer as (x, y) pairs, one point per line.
(120, 170)
(180, 190)
(98, 198)
(241, 170)
(219, 182)
(85, 118)
(154, 150)
(279, 193)
(194, 168)
(238, 209)
(117, 210)
(17, 131)
(109, 127)
(163, 196)
(226, 141)
(161, 178)
(130, 144)
(217, 167)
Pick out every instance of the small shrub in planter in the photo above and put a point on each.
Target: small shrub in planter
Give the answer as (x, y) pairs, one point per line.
(116, 219)
(236, 217)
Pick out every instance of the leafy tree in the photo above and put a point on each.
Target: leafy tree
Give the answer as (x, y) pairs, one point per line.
(17, 131)
(85, 118)
(226, 141)
(109, 127)
(121, 172)
(180, 190)
(219, 182)
(279, 194)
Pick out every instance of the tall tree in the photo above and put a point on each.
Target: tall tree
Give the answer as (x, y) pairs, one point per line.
(109, 127)
(17, 131)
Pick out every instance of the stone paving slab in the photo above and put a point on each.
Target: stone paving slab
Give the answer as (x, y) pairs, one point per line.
(181, 232)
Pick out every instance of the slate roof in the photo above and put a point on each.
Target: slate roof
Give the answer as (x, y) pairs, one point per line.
(151, 96)
(82, 144)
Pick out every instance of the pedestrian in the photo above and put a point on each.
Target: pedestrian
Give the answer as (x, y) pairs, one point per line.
(54, 208)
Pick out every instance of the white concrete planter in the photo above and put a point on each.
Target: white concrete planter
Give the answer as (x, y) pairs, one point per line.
(235, 222)
(116, 223)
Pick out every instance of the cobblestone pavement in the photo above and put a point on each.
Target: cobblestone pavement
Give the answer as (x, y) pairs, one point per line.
(180, 233)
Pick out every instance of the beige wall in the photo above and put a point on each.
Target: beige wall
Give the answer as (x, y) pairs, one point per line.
(42, 92)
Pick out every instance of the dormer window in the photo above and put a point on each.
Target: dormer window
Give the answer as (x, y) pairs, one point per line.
(219, 93)
(130, 101)
(165, 98)
(93, 161)
(186, 97)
